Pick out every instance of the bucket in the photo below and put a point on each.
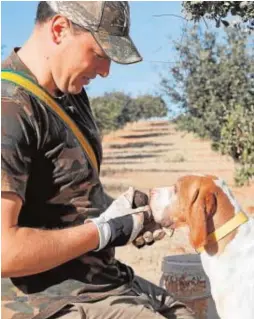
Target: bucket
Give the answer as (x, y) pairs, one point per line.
(184, 278)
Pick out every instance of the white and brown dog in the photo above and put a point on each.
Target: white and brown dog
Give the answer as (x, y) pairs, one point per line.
(220, 231)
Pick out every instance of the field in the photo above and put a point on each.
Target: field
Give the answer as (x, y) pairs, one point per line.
(155, 154)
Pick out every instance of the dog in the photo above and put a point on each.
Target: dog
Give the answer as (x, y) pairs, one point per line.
(250, 210)
(220, 231)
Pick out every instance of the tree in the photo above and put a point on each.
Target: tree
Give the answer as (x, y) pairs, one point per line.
(148, 106)
(114, 110)
(107, 110)
(213, 86)
(219, 10)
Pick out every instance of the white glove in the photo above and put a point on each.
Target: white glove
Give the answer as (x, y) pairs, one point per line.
(120, 216)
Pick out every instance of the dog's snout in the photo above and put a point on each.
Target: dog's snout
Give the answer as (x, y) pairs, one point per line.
(159, 199)
(161, 190)
(161, 194)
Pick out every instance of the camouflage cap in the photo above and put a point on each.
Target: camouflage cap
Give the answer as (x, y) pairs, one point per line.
(108, 21)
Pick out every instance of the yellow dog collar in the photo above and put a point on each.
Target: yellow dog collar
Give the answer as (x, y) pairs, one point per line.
(225, 229)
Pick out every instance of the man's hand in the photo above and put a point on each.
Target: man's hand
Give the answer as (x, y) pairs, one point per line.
(120, 223)
(125, 219)
(124, 205)
(151, 231)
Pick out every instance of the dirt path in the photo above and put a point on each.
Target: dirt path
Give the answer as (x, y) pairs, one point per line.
(150, 154)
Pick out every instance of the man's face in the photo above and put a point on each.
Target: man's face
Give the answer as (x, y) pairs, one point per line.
(76, 60)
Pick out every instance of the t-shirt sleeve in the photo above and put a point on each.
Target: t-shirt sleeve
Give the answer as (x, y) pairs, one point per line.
(17, 146)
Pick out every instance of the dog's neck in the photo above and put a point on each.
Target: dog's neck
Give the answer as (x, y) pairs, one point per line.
(227, 209)
(227, 269)
(213, 224)
(225, 245)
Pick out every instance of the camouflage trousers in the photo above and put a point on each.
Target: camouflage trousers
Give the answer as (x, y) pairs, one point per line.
(142, 300)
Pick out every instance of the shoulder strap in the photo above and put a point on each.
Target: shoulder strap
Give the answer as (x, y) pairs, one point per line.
(34, 89)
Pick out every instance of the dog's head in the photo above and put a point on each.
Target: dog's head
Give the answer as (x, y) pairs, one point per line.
(193, 201)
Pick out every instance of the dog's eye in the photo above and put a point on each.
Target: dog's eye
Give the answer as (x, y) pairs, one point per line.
(175, 189)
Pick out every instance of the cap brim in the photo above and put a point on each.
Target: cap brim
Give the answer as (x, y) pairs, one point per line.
(120, 49)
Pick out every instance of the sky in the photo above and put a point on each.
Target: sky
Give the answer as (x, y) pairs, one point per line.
(153, 36)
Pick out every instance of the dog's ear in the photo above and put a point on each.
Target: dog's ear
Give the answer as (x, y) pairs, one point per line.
(203, 206)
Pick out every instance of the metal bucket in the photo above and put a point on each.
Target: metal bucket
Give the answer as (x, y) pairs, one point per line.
(184, 278)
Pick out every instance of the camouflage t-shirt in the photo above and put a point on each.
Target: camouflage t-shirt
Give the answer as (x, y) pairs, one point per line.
(43, 163)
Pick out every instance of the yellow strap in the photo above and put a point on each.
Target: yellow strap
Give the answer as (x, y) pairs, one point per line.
(33, 88)
(225, 229)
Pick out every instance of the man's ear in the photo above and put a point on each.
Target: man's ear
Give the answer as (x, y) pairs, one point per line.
(59, 27)
(203, 206)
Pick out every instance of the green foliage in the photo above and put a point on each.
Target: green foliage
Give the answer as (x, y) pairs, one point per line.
(107, 110)
(237, 140)
(213, 86)
(219, 10)
(148, 106)
(114, 110)
(243, 175)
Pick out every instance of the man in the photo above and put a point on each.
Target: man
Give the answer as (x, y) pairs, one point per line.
(58, 226)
